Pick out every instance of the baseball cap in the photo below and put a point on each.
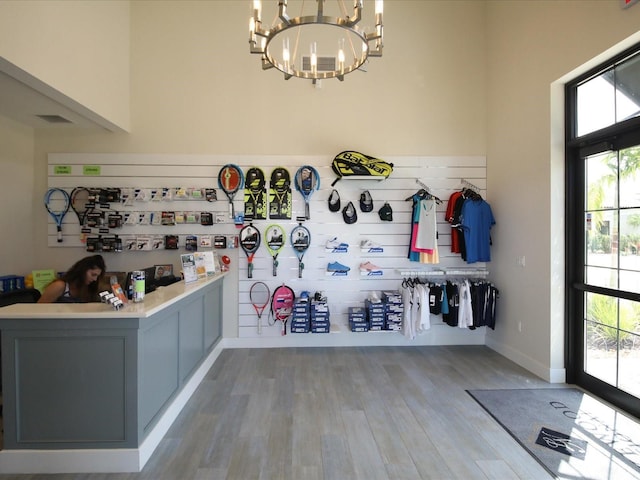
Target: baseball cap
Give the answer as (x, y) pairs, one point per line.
(386, 213)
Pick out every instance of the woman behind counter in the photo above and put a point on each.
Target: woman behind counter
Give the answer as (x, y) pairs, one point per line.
(78, 285)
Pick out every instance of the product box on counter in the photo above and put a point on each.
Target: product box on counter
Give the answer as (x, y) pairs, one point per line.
(300, 327)
(358, 325)
(324, 328)
(373, 307)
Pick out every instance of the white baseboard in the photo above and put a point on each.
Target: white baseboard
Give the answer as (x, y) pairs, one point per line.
(436, 335)
(551, 375)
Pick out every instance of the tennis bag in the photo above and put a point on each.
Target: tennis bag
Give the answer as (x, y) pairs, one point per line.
(350, 163)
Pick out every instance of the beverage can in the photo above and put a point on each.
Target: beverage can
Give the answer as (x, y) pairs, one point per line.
(138, 282)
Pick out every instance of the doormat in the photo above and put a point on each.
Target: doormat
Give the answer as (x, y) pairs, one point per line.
(569, 432)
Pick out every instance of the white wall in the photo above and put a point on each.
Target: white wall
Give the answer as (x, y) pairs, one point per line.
(79, 48)
(17, 199)
(196, 89)
(477, 82)
(530, 45)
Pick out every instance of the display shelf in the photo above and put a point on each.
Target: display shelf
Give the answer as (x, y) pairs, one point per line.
(376, 178)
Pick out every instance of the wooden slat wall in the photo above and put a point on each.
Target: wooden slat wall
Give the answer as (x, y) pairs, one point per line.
(442, 175)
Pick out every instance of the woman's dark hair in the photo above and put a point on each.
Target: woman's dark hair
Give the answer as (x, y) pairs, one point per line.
(76, 276)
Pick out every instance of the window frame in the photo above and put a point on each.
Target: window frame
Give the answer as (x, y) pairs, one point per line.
(615, 137)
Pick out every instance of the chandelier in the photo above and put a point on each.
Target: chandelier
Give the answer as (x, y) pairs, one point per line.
(315, 45)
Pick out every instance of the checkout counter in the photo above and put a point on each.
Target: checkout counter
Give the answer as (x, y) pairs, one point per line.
(91, 389)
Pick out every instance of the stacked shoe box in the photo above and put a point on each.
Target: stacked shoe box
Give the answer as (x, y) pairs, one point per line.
(320, 317)
(300, 316)
(393, 309)
(375, 314)
(358, 319)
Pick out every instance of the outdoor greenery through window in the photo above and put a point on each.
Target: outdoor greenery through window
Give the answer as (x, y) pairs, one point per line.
(604, 162)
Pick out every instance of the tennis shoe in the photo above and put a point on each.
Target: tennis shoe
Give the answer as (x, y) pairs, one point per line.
(337, 267)
(369, 244)
(334, 244)
(374, 298)
(369, 267)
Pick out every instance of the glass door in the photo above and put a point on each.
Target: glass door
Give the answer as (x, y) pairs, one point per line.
(603, 231)
(611, 321)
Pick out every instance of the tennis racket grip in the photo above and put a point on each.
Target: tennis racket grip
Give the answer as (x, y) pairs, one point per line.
(231, 208)
(307, 214)
(250, 270)
(300, 267)
(59, 233)
(275, 267)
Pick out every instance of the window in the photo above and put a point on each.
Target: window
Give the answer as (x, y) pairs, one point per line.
(603, 231)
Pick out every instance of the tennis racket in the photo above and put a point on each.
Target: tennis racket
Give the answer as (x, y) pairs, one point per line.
(280, 194)
(282, 306)
(57, 202)
(300, 240)
(255, 205)
(230, 180)
(80, 203)
(259, 295)
(275, 241)
(307, 181)
(249, 241)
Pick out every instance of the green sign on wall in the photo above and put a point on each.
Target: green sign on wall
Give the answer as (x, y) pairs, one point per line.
(62, 170)
(91, 170)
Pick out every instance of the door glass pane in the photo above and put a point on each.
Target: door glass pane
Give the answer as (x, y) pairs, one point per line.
(596, 104)
(629, 164)
(628, 89)
(629, 375)
(601, 337)
(602, 181)
(602, 249)
(630, 367)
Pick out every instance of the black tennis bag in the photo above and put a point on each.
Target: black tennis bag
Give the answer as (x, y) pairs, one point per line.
(349, 163)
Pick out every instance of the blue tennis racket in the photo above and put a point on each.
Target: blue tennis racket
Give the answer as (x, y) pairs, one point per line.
(307, 181)
(57, 202)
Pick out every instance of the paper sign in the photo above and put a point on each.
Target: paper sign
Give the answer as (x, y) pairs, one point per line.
(42, 278)
(189, 271)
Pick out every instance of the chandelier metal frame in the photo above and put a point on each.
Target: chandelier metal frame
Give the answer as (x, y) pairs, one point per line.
(261, 40)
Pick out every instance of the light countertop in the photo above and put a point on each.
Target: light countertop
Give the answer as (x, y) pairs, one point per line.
(154, 302)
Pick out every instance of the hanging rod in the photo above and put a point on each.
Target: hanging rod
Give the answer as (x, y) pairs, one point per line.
(423, 185)
(470, 185)
(458, 272)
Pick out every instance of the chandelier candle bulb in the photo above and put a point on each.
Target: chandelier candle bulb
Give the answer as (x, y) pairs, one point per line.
(314, 58)
(341, 55)
(257, 9)
(285, 53)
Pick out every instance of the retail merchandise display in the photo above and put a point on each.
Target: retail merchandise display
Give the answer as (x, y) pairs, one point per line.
(255, 191)
(250, 242)
(280, 202)
(307, 181)
(230, 180)
(360, 242)
(57, 202)
(351, 163)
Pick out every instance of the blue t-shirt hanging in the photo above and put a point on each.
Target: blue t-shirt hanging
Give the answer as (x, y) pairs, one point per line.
(476, 221)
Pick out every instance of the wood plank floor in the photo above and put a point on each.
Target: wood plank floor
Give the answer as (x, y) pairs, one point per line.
(339, 414)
